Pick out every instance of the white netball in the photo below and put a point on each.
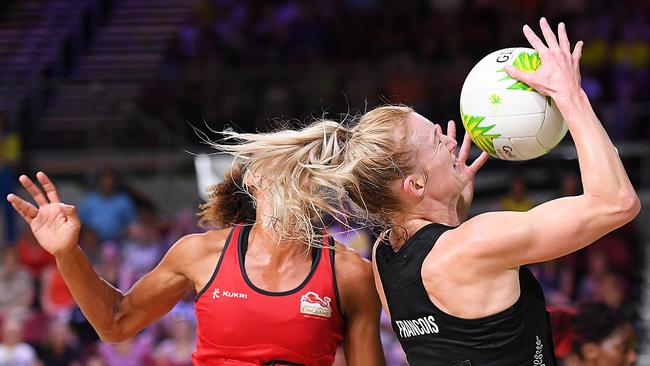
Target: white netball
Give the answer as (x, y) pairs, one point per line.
(505, 117)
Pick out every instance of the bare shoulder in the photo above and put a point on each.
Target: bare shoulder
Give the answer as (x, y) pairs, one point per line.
(350, 266)
(471, 245)
(196, 255)
(477, 237)
(197, 245)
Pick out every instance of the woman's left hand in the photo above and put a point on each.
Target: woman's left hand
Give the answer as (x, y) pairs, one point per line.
(467, 195)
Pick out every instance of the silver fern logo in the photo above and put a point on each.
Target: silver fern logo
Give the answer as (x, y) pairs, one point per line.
(538, 359)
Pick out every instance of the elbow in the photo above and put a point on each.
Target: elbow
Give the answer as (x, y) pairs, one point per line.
(105, 338)
(113, 335)
(628, 206)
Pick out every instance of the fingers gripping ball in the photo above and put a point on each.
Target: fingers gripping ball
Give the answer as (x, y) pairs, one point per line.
(505, 117)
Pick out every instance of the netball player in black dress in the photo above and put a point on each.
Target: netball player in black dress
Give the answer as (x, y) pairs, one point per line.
(458, 293)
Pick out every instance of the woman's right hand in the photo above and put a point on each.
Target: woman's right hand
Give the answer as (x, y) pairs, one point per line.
(54, 224)
(558, 76)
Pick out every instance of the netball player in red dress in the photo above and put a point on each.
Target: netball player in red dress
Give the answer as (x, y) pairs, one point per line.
(271, 288)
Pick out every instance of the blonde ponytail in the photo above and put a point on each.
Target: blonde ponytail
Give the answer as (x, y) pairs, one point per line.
(379, 153)
(325, 169)
(298, 173)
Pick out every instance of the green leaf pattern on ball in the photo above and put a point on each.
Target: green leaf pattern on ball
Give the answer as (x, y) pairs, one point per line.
(480, 135)
(527, 62)
(495, 99)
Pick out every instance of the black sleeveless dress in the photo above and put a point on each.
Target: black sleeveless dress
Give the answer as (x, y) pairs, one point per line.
(519, 335)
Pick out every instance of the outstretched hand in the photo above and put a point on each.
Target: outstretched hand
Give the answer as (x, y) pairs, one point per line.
(558, 76)
(54, 224)
(468, 192)
(465, 148)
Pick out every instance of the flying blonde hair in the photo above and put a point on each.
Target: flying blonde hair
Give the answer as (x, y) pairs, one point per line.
(327, 169)
(297, 171)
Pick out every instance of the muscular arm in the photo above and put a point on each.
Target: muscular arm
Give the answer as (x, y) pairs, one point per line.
(361, 309)
(114, 315)
(504, 240)
(117, 316)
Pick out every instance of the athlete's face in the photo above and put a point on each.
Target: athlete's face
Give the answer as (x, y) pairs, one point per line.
(619, 349)
(435, 156)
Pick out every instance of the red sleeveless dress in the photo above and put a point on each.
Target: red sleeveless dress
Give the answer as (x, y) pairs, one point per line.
(240, 324)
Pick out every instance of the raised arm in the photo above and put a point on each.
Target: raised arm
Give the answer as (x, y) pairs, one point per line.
(502, 240)
(114, 315)
(361, 309)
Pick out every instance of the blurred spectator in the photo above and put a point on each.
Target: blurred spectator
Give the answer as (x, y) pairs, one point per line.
(107, 211)
(142, 247)
(90, 244)
(632, 48)
(184, 309)
(516, 199)
(13, 351)
(597, 268)
(109, 265)
(95, 360)
(617, 250)
(570, 184)
(59, 348)
(31, 255)
(10, 147)
(109, 269)
(84, 331)
(183, 224)
(557, 278)
(619, 121)
(56, 299)
(132, 352)
(612, 290)
(16, 284)
(592, 335)
(177, 350)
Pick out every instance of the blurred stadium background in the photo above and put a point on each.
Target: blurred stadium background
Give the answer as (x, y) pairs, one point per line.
(106, 95)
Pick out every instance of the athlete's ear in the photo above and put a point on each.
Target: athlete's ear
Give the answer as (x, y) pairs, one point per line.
(589, 351)
(414, 185)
